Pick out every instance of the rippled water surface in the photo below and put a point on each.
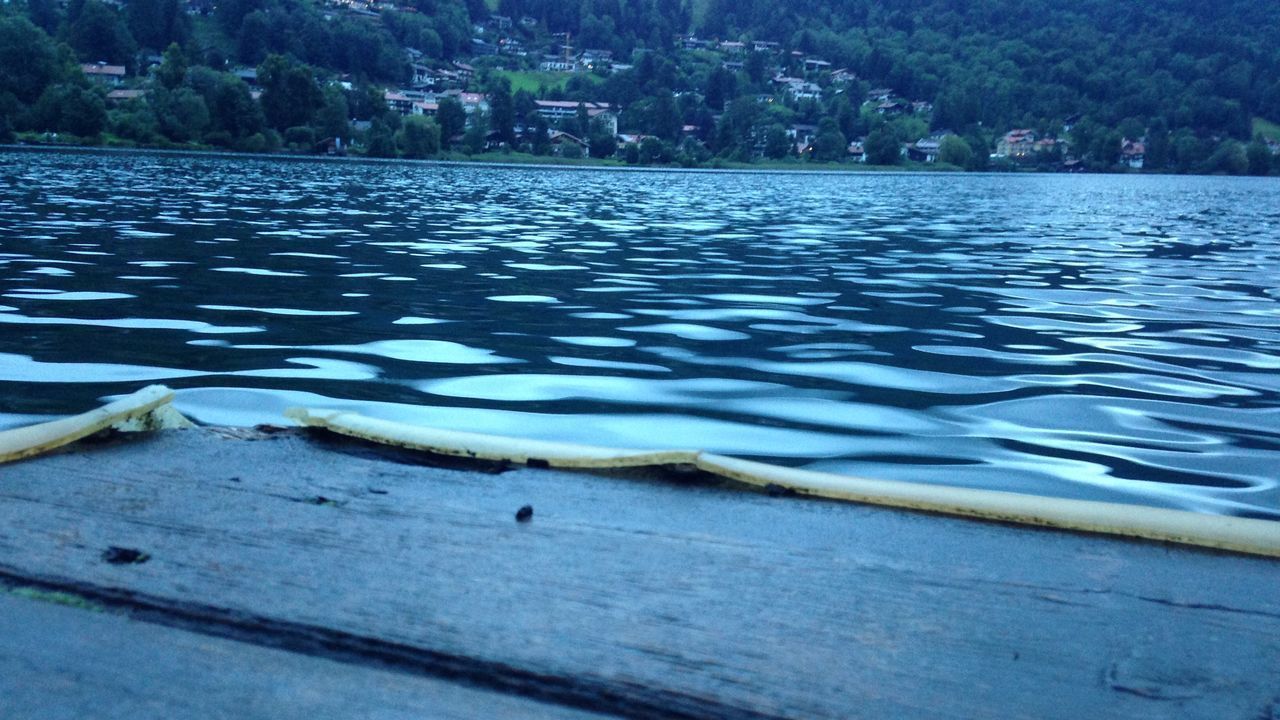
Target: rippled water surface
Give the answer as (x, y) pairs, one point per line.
(1100, 337)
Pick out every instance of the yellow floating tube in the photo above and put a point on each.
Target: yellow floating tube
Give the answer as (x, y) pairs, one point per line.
(1245, 535)
(146, 409)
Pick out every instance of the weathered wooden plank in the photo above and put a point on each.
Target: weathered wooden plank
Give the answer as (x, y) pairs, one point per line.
(654, 595)
(61, 662)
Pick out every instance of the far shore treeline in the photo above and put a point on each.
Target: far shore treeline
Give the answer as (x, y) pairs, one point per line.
(1178, 86)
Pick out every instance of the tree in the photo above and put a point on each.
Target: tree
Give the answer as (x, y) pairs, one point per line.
(233, 110)
(475, 138)
(830, 145)
(1259, 158)
(419, 137)
(380, 143)
(1227, 159)
(667, 122)
(181, 114)
(289, 92)
(71, 109)
(539, 131)
(452, 119)
(502, 112)
(603, 143)
(253, 38)
(173, 68)
(777, 144)
(955, 151)
(883, 147)
(157, 23)
(29, 60)
(720, 88)
(100, 34)
(332, 119)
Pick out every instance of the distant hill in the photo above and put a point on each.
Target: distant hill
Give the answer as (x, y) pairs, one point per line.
(1168, 85)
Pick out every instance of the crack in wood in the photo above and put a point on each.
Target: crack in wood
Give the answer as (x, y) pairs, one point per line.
(624, 699)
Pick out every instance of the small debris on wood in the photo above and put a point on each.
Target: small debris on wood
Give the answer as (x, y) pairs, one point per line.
(538, 463)
(377, 491)
(524, 514)
(235, 479)
(322, 500)
(775, 490)
(124, 556)
(269, 429)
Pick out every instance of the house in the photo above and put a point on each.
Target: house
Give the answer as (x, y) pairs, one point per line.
(797, 88)
(1017, 143)
(591, 60)
(922, 107)
(118, 95)
(500, 22)
(733, 47)
(557, 110)
(843, 76)
(511, 46)
(1273, 146)
(398, 101)
(625, 139)
(555, 63)
(248, 75)
(465, 71)
(802, 133)
(815, 65)
(104, 74)
(1133, 153)
(1046, 145)
(559, 140)
(891, 108)
(924, 150)
(472, 103)
(428, 108)
(879, 95)
(422, 74)
(856, 152)
(804, 91)
(766, 46)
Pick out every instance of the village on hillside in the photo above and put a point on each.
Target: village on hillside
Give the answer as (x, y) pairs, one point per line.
(513, 86)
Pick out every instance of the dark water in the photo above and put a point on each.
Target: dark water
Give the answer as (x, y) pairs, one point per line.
(1099, 337)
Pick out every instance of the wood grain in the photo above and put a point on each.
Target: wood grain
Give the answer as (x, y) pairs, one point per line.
(651, 597)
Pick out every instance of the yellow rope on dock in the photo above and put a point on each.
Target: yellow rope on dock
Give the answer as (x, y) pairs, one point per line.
(146, 409)
(1244, 535)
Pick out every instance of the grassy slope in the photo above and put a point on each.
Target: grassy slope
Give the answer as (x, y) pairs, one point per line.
(533, 81)
(1266, 128)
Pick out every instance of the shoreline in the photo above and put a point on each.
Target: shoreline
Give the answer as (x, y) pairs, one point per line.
(516, 162)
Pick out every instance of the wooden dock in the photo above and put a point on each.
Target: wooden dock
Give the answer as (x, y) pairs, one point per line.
(278, 574)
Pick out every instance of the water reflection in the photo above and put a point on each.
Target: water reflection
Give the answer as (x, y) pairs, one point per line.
(1102, 337)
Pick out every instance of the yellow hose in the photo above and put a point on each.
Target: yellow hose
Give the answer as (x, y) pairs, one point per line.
(1244, 535)
(144, 409)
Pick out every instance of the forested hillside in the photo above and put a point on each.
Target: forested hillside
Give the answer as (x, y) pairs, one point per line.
(1166, 85)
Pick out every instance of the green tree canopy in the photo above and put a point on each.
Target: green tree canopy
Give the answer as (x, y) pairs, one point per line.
(290, 95)
(419, 137)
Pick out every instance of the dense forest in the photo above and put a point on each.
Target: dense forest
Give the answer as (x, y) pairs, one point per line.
(1161, 85)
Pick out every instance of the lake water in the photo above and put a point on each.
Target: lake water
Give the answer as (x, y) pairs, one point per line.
(1106, 337)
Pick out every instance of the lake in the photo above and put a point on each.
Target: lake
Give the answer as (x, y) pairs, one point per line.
(1101, 337)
